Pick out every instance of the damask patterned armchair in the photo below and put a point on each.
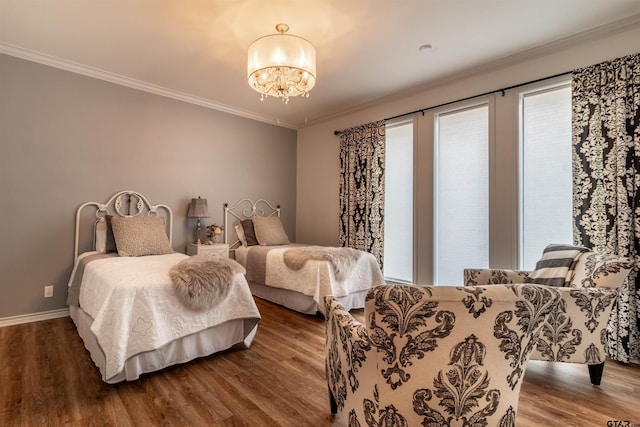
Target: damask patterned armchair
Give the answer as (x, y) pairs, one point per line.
(576, 330)
(434, 355)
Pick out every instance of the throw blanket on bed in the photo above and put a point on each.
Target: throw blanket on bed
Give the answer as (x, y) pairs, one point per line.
(202, 281)
(134, 307)
(342, 259)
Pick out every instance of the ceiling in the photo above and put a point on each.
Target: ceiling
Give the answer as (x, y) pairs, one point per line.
(195, 50)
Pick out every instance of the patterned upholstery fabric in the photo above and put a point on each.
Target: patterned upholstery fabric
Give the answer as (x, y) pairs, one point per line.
(576, 330)
(436, 355)
(601, 270)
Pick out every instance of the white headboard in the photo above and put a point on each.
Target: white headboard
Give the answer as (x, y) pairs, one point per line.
(244, 209)
(125, 203)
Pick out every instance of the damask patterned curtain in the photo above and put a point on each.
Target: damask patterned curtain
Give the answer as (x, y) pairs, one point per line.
(606, 182)
(362, 154)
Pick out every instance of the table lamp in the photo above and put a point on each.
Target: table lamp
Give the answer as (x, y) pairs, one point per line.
(198, 209)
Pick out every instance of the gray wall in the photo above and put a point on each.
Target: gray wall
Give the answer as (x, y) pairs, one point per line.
(66, 139)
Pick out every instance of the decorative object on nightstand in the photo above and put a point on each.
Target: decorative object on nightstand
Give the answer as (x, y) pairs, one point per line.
(198, 209)
(214, 231)
(216, 249)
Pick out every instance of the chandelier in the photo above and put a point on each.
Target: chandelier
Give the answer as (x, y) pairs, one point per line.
(281, 65)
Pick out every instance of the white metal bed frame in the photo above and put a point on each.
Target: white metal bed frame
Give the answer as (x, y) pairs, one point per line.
(245, 209)
(118, 202)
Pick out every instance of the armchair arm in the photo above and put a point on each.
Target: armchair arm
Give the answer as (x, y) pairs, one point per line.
(486, 276)
(350, 359)
(575, 332)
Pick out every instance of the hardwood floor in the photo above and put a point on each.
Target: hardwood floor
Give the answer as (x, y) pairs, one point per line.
(48, 378)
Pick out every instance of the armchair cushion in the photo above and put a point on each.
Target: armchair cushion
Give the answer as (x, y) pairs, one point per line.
(601, 270)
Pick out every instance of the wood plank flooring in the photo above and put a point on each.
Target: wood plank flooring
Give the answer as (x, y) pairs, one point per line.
(47, 378)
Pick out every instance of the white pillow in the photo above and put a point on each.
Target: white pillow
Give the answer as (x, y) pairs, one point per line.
(269, 231)
(101, 236)
(240, 233)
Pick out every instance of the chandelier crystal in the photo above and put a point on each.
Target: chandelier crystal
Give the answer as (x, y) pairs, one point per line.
(281, 65)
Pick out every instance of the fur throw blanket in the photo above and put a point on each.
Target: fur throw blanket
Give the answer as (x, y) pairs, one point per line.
(342, 259)
(201, 281)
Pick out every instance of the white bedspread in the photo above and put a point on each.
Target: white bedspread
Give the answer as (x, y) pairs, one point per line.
(134, 308)
(316, 279)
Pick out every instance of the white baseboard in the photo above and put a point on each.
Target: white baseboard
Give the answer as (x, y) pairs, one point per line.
(33, 317)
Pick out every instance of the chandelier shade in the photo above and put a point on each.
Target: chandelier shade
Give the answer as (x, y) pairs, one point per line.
(281, 65)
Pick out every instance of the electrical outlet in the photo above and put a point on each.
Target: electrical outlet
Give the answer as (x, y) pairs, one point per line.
(48, 291)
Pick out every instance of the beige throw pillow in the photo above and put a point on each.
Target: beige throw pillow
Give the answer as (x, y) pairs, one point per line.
(269, 231)
(137, 236)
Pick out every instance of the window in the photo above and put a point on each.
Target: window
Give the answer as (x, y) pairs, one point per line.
(492, 184)
(461, 193)
(545, 172)
(398, 203)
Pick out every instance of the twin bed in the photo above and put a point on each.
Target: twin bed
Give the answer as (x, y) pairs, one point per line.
(140, 307)
(293, 275)
(126, 307)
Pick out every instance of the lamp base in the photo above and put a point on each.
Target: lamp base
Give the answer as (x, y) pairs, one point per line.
(198, 233)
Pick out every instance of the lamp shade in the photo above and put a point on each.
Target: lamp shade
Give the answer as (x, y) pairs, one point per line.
(198, 208)
(281, 65)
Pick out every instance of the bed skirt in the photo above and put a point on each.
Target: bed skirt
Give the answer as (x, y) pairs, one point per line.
(303, 303)
(203, 343)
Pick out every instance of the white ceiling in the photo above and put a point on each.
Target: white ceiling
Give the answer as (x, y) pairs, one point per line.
(366, 49)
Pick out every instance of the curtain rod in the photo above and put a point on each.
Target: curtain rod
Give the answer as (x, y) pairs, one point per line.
(503, 90)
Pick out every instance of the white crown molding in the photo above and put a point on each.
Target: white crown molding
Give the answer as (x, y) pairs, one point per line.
(33, 317)
(121, 80)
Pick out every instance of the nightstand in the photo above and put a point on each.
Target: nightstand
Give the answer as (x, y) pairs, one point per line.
(217, 249)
